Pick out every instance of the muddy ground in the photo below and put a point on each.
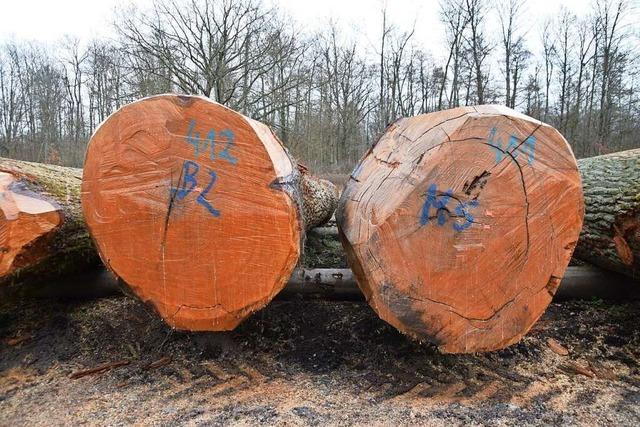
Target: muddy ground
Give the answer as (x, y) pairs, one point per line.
(309, 363)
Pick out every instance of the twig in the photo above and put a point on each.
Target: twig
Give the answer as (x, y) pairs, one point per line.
(157, 364)
(98, 369)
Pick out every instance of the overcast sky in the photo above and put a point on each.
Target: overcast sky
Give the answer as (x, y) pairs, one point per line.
(49, 20)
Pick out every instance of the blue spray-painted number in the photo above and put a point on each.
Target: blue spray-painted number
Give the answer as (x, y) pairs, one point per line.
(439, 202)
(189, 181)
(463, 210)
(209, 143)
(528, 147)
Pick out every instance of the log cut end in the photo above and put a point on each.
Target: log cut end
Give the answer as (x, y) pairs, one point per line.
(460, 224)
(27, 219)
(195, 207)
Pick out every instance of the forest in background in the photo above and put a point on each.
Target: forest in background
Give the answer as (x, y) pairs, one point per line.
(326, 97)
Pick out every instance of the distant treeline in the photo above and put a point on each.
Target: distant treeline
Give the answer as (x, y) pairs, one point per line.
(327, 98)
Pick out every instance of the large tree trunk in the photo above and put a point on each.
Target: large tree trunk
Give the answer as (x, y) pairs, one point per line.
(610, 237)
(42, 232)
(459, 225)
(200, 210)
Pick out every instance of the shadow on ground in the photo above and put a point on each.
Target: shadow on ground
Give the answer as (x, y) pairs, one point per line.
(309, 362)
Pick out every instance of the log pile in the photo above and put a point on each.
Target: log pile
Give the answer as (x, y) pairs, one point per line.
(42, 230)
(459, 225)
(610, 237)
(199, 210)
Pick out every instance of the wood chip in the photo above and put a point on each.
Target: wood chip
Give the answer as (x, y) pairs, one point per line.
(98, 369)
(575, 368)
(158, 363)
(602, 372)
(18, 340)
(557, 348)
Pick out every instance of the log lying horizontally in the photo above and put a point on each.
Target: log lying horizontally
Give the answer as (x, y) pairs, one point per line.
(331, 284)
(610, 237)
(42, 232)
(459, 225)
(200, 210)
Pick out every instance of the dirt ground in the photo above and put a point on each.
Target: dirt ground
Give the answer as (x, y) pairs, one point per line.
(309, 363)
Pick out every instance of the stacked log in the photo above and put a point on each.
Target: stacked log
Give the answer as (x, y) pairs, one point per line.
(199, 210)
(459, 225)
(42, 232)
(610, 237)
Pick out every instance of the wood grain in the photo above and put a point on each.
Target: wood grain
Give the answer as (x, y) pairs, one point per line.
(459, 225)
(195, 207)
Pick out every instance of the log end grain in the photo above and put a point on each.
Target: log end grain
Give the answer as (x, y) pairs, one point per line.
(27, 219)
(195, 207)
(42, 231)
(459, 225)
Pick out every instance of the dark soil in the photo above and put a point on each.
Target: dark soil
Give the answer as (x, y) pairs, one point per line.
(309, 363)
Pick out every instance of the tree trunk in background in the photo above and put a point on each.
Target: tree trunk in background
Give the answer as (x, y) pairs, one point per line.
(610, 237)
(459, 225)
(42, 232)
(200, 210)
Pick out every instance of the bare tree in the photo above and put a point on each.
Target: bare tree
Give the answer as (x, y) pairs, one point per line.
(478, 45)
(455, 18)
(548, 53)
(515, 52)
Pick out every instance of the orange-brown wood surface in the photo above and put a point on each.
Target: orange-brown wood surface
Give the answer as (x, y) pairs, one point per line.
(26, 217)
(460, 224)
(42, 232)
(193, 206)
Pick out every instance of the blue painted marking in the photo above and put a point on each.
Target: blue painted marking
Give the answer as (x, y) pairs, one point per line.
(202, 196)
(495, 145)
(462, 210)
(193, 138)
(188, 183)
(513, 144)
(528, 147)
(440, 202)
(225, 153)
(190, 168)
(210, 141)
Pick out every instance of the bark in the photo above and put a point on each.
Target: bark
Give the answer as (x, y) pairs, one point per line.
(610, 237)
(44, 236)
(42, 232)
(459, 225)
(199, 210)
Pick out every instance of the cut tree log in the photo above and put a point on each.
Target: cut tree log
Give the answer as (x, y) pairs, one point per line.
(459, 225)
(199, 210)
(610, 237)
(42, 232)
